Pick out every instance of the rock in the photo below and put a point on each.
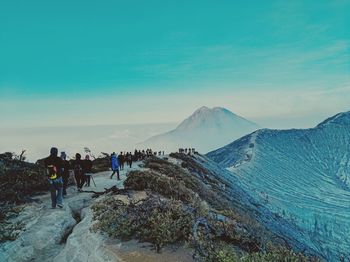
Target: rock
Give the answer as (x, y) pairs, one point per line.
(47, 230)
(42, 237)
(85, 245)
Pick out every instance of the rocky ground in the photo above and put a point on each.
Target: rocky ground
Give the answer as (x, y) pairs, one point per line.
(165, 197)
(47, 231)
(66, 235)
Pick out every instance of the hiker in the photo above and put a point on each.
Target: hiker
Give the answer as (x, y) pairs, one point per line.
(121, 160)
(87, 170)
(114, 165)
(53, 165)
(129, 159)
(78, 171)
(65, 172)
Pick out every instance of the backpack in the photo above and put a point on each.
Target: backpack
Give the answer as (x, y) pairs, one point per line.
(52, 172)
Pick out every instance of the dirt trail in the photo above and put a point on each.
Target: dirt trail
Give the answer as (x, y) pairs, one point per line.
(47, 230)
(64, 235)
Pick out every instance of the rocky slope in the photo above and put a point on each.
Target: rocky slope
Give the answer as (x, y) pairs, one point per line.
(302, 176)
(196, 189)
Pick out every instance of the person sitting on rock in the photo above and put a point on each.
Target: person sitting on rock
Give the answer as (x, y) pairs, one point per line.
(53, 166)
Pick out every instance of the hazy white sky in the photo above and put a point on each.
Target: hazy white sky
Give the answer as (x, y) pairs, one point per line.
(270, 108)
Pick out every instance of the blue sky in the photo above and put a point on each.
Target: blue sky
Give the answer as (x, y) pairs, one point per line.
(110, 62)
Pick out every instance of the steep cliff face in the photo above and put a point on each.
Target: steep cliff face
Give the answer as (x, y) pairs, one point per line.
(301, 175)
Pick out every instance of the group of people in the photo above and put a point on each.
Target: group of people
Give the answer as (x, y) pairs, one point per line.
(118, 161)
(59, 168)
(123, 158)
(188, 151)
(58, 172)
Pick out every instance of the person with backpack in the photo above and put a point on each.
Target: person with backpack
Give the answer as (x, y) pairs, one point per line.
(114, 165)
(65, 172)
(78, 171)
(87, 170)
(53, 166)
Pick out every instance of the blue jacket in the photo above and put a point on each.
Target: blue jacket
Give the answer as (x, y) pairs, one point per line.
(114, 162)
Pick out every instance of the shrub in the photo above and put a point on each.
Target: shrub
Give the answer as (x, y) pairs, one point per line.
(225, 253)
(19, 179)
(166, 186)
(101, 164)
(179, 203)
(279, 254)
(155, 220)
(192, 180)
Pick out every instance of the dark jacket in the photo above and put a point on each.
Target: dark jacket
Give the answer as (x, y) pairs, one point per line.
(87, 166)
(120, 159)
(78, 167)
(65, 168)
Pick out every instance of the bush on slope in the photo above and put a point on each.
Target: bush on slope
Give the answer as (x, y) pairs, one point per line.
(177, 200)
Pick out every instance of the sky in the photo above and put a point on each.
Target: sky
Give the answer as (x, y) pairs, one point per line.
(280, 63)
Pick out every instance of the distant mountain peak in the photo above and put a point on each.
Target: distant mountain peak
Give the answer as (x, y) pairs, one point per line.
(206, 129)
(202, 109)
(216, 116)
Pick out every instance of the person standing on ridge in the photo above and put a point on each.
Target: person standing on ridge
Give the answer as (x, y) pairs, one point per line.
(114, 165)
(78, 171)
(129, 159)
(65, 172)
(53, 166)
(121, 160)
(87, 170)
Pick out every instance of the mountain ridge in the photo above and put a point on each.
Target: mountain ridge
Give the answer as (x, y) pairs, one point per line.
(302, 175)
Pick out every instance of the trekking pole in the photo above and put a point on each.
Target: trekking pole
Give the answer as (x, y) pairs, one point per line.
(92, 177)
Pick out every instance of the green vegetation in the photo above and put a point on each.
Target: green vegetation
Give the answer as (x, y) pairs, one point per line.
(155, 182)
(279, 254)
(182, 207)
(101, 164)
(18, 181)
(155, 220)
